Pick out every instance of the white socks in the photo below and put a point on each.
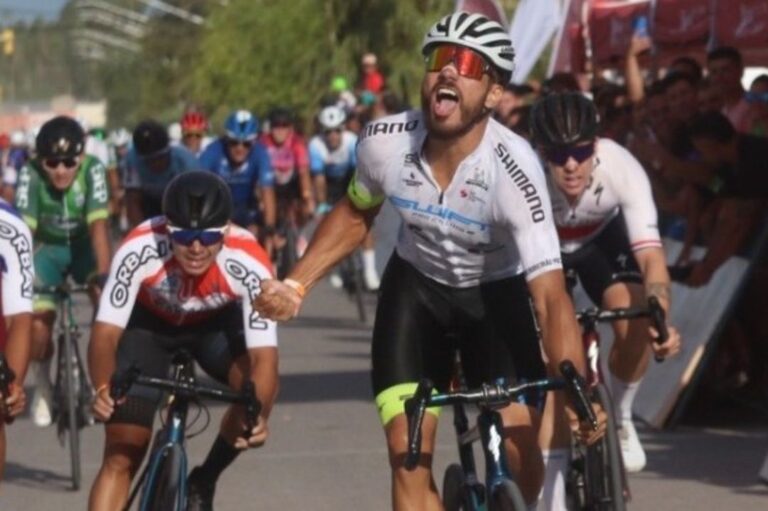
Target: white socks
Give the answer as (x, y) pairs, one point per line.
(623, 396)
(552, 496)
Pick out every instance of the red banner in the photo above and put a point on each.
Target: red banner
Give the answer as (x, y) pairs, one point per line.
(681, 22)
(610, 29)
(742, 23)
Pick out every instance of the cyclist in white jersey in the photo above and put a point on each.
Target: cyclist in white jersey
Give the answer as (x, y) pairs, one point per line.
(477, 237)
(16, 280)
(606, 221)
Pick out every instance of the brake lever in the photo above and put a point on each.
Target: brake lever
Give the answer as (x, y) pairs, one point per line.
(658, 317)
(576, 388)
(7, 376)
(252, 407)
(415, 408)
(121, 382)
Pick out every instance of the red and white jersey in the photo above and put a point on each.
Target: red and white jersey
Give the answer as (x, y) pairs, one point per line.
(618, 185)
(145, 270)
(17, 273)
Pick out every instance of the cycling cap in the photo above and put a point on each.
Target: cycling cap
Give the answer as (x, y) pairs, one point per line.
(241, 125)
(331, 117)
(197, 200)
(61, 137)
(150, 137)
(563, 119)
(280, 116)
(475, 31)
(194, 122)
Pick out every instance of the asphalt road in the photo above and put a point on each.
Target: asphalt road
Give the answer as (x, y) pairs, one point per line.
(326, 450)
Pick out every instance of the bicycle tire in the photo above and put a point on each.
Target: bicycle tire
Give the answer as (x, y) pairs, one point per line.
(607, 471)
(164, 490)
(72, 397)
(454, 483)
(506, 496)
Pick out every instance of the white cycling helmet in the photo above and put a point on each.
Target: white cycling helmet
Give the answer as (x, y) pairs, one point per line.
(331, 117)
(474, 31)
(120, 137)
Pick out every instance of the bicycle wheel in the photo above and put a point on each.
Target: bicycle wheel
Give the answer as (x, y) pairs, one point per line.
(506, 496)
(604, 467)
(458, 495)
(165, 490)
(72, 398)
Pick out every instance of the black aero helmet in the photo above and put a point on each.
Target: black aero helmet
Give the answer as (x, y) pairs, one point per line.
(197, 200)
(280, 116)
(150, 137)
(61, 137)
(563, 119)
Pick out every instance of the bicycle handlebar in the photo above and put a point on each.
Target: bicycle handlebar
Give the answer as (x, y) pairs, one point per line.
(122, 382)
(654, 311)
(490, 396)
(6, 378)
(63, 289)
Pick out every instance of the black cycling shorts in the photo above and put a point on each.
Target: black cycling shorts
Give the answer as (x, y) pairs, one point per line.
(420, 323)
(289, 191)
(605, 260)
(149, 343)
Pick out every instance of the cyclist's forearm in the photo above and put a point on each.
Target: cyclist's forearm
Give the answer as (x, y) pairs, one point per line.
(305, 184)
(270, 206)
(653, 266)
(320, 189)
(100, 243)
(17, 349)
(133, 207)
(337, 236)
(102, 350)
(264, 376)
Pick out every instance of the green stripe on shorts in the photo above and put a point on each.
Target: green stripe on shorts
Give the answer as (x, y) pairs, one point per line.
(391, 401)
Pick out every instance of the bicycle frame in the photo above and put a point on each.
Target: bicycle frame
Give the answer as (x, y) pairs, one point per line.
(489, 427)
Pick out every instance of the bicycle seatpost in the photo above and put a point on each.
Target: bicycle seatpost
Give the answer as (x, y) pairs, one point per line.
(658, 318)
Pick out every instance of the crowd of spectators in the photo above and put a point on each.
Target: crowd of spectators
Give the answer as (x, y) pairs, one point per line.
(701, 137)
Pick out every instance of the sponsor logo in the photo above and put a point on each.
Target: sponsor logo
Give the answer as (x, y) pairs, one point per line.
(471, 196)
(23, 248)
(412, 181)
(388, 128)
(522, 182)
(477, 179)
(412, 160)
(252, 283)
(598, 193)
(127, 268)
(438, 212)
(100, 193)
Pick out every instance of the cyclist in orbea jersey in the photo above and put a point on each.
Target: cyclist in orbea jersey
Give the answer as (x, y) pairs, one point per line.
(150, 165)
(63, 197)
(185, 280)
(476, 245)
(332, 162)
(244, 164)
(16, 278)
(606, 221)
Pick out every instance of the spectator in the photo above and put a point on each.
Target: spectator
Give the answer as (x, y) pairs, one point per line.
(371, 79)
(708, 97)
(725, 69)
(561, 82)
(513, 97)
(738, 178)
(615, 113)
(688, 66)
(758, 98)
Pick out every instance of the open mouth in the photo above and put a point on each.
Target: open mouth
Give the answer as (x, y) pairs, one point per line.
(445, 101)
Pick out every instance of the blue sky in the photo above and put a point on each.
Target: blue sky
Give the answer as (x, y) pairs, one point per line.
(11, 10)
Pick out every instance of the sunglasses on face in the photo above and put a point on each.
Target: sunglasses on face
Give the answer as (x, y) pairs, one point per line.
(54, 163)
(334, 130)
(187, 237)
(233, 142)
(468, 63)
(561, 155)
(193, 134)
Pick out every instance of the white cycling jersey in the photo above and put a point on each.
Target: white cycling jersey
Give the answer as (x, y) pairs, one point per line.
(145, 270)
(618, 185)
(493, 221)
(16, 269)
